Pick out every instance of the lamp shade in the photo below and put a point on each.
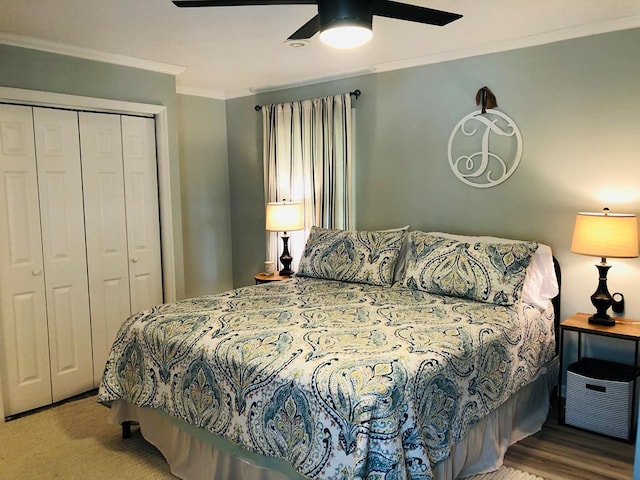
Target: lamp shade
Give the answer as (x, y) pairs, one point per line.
(613, 235)
(284, 216)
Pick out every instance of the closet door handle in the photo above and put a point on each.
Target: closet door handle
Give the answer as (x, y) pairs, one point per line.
(134, 259)
(36, 272)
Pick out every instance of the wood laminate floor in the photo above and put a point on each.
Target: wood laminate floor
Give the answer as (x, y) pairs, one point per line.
(560, 452)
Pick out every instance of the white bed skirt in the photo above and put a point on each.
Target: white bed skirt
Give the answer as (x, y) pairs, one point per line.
(194, 454)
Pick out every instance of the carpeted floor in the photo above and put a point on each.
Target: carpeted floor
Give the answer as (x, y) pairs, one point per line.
(74, 441)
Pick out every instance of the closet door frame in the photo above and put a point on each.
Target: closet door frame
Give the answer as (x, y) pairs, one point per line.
(159, 114)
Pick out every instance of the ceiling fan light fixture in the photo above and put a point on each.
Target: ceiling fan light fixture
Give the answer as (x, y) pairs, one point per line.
(346, 36)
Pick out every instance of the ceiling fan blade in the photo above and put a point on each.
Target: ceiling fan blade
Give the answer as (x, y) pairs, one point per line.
(412, 13)
(239, 3)
(308, 30)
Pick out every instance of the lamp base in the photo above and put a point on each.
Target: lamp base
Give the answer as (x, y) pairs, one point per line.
(607, 320)
(601, 298)
(286, 258)
(286, 272)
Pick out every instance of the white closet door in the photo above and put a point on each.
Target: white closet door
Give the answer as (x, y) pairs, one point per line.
(63, 246)
(25, 351)
(107, 258)
(143, 222)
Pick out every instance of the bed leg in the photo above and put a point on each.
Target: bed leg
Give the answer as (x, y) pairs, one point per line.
(126, 429)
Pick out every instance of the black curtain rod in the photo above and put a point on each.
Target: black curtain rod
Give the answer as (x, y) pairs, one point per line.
(356, 93)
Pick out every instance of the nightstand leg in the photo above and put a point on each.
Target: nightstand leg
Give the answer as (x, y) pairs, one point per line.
(579, 345)
(560, 403)
(634, 396)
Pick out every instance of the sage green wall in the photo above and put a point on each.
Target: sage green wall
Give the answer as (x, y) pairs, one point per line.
(48, 72)
(205, 195)
(576, 102)
(244, 143)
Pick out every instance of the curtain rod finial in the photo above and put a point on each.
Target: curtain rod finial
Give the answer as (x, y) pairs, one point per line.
(258, 108)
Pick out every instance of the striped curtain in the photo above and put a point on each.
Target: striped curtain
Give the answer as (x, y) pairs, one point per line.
(307, 154)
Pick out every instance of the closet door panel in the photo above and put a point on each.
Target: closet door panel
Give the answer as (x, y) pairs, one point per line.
(24, 354)
(143, 222)
(63, 241)
(107, 257)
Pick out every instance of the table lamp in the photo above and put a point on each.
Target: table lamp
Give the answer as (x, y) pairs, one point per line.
(605, 234)
(285, 217)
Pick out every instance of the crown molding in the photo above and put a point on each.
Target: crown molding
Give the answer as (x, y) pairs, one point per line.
(88, 54)
(514, 44)
(199, 92)
(529, 41)
(304, 82)
(524, 42)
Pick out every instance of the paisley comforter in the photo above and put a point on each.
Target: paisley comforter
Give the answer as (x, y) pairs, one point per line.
(341, 380)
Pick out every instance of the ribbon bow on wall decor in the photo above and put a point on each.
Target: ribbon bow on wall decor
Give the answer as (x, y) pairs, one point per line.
(486, 99)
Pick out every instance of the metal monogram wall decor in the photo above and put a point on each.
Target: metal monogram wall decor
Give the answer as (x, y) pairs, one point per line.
(485, 147)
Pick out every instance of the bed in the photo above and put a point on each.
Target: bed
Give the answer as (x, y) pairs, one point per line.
(391, 355)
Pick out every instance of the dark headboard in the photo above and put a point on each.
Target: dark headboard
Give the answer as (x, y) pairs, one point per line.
(556, 303)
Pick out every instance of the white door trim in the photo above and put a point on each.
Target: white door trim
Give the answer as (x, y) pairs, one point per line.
(159, 113)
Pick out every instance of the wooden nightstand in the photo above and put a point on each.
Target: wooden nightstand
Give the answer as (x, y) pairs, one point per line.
(624, 329)
(264, 278)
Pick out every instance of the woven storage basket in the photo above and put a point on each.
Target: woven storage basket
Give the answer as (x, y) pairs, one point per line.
(600, 397)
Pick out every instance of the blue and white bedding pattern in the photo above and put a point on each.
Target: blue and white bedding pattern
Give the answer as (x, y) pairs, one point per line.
(341, 380)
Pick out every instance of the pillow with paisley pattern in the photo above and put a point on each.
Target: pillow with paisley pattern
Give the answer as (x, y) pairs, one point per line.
(486, 272)
(351, 256)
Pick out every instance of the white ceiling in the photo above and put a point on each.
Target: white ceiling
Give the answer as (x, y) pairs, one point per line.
(227, 52)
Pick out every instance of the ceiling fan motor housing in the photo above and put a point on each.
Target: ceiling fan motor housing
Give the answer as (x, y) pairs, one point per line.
(335, 13)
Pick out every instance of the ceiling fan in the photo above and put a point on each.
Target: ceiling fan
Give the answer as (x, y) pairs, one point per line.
(350, 20)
